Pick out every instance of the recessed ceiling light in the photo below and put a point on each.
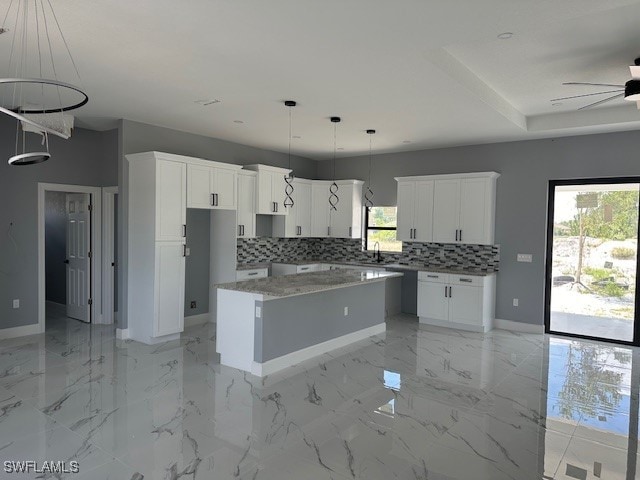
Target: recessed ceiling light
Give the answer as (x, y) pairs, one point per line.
(238, 121)
(296, 136)
(557, 104)
(406, 141)
(505, 35)
(207, 101)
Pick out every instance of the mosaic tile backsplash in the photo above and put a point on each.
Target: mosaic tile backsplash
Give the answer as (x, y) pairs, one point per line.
(484, 258)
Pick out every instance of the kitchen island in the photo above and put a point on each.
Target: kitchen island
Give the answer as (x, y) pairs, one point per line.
(268, 324)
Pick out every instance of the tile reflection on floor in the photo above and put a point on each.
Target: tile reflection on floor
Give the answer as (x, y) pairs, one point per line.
(414, 403)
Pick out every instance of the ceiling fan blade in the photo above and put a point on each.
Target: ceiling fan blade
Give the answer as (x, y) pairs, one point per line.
(608, 99)
(585, 95)
(635, 72)
(594, 84)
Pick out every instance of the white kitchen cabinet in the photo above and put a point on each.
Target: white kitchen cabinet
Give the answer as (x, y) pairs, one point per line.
(278, 269)
(298, 222)
(320, 208)
(211, 186)
(460, 301)
(456, 208)
(171, 211)
(346, 220)
(169, 288)
(415, 211)
(252, 274)
(246, 211)
(270, 192)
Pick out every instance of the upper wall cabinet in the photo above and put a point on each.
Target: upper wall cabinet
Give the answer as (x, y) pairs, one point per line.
(346, 220)
(246, 223)
(320, 209)
(170, 202)
(211, 185)
(298, 222)
(415, 211)
(270, 194)
(447, 208)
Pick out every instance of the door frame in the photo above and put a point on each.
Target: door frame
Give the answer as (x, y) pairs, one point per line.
(96, 247)
(549, 259)
(108, 249)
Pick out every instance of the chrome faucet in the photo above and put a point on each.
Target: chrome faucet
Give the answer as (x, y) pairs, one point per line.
(378, 257)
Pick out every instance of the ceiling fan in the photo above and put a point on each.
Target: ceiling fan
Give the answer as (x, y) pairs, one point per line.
(630, 90)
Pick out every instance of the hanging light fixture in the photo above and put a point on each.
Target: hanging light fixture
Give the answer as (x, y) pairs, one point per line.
(333, 189)
(288, 189)
(368, 194)
(32, 92)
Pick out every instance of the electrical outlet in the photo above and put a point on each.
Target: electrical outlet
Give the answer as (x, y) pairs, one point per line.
(258, 312)
(515, 302)
(346, 311)
(418, 251)
(193, 304)
(525, 257)
(16, 303)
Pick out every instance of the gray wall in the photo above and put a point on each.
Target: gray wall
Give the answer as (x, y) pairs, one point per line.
(197, 263)
(525, 168)
(137, 137)
(88, 158)
(55, 247)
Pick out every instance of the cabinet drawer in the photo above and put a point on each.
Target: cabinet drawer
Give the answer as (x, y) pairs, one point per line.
(308, 268)
(433, 277)
(470, 280)
(251, 274)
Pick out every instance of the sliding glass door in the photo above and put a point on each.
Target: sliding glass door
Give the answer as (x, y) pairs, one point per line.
(592, 261)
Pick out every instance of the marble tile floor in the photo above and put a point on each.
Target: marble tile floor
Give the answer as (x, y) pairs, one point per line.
(415, 403)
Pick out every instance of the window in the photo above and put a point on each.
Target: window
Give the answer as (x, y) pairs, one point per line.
(381, 226)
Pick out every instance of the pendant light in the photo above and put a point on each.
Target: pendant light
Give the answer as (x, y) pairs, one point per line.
(333, 189)
(368, 194)
(288, 189)
(32, 91)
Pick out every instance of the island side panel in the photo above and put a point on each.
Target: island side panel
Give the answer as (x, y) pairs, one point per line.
(290, 324)
(235, 327)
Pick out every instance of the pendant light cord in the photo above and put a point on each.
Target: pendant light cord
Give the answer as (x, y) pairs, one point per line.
(288, 178)
(333, 188)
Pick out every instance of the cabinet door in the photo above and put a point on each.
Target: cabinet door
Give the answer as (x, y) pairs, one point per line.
(446, 210)
(473, 211)
(423, 215)
(319, 210)
(302, 197)
(465, 305)
(432, 300)
(246, 225)
(224, 187)
(341, 218)
(199, 186)
(406, 210)
(171, 200)
(264, 200)
(169, 288)
(278, 195)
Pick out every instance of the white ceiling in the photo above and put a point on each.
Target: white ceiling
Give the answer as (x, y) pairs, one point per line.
(431, 72)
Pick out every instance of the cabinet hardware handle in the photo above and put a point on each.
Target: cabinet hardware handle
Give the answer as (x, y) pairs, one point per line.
(445, 292)
(304, 268)
(456, 235)
(350, 230)
(328, 231)
(460, 234)
(243, 230)
(184, 231)
(450, 295)
(433, 276)
(467, 280)
(213, 199)
(184, 249)
(239, 230)
(252, 274)
(415, 233)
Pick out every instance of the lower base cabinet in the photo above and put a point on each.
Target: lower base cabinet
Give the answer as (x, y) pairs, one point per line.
(169, 288)
(466, 302)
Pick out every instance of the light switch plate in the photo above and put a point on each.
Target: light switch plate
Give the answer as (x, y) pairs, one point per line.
(258, 312)
(525, 257)
(187, 251)
(16, 303)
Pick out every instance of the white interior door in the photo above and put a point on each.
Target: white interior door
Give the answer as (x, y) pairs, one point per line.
(78, 260)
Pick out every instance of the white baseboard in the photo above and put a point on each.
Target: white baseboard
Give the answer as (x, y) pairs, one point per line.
(196, 319)
(454, 325)
(23, 331)
(517, 326)
(122, 333)
(271, 366)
